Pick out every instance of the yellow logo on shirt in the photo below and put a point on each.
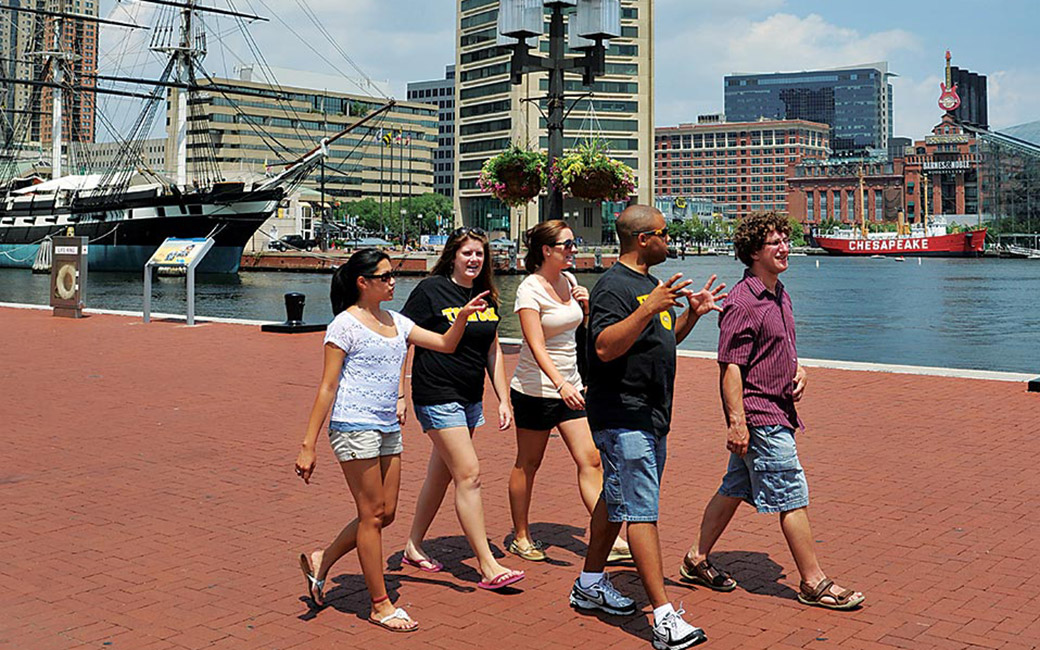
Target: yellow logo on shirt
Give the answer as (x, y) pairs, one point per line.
(451, 313)
(666, 318)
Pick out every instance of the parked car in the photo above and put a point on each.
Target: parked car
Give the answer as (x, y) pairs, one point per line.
(293, 243)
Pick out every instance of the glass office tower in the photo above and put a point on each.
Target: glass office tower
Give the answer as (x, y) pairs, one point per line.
(856, 102)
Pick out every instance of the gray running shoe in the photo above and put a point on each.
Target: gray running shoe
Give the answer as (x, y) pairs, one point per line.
(602, 596)
(674, 633)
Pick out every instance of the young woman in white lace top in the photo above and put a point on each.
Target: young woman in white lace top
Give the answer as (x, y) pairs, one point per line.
(365, 347)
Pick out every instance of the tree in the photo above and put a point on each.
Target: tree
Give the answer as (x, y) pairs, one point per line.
(367, 213)
(720, 228)
(797, 232)
(430, 205)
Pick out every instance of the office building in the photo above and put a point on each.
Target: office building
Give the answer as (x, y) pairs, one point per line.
(856, 102)
(492, 113)
(99, 157)
(440, 92)
(247, 135)
(741, 166)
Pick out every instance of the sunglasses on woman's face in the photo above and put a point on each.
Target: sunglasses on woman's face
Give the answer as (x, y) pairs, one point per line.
(383, 277)
(566, 243)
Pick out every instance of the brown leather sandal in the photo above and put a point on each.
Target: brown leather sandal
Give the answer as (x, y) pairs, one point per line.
(707, 575)
(845, 600)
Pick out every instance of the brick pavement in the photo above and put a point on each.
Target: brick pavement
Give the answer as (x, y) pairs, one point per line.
(147, 501)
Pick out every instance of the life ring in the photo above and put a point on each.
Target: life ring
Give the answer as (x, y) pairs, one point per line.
(680, 203)
(65, 282)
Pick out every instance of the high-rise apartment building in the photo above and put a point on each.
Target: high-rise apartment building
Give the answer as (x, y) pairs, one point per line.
(25, 36)
(742, 166)
(856, 102)
(491, 113)
(440, 92)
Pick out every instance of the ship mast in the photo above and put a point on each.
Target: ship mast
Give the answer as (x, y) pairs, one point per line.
(924, 202)
(56, 99)
(57, 58)
(185, 53)
(862, 201)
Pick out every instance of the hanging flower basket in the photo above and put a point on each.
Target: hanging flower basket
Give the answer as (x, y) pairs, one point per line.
(514, 176)
(588, 173)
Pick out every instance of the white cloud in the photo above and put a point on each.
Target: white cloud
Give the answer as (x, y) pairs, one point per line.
(697, 58)
(1013, 97)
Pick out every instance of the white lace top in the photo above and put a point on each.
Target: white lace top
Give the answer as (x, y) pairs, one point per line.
(367, 395)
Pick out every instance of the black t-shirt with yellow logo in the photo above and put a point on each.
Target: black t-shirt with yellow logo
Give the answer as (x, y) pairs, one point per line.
(633, 391)
(438, 378)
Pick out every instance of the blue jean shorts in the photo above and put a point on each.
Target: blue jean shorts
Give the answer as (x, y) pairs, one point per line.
(769, 476)
(450, 415)
(633, 462)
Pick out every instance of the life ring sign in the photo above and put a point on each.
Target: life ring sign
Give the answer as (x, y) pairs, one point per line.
(69, 276)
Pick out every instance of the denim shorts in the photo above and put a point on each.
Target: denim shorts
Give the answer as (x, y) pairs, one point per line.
(450, 415)
(769, 476)
(633, 462)
(357, 445)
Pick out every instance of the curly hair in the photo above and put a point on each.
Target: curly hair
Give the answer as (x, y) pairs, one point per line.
(542, 234)
(752, 231)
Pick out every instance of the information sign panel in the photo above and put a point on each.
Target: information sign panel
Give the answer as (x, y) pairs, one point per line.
(176, 253)
(179, 252)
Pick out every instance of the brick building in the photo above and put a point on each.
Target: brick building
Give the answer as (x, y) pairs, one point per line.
(829, 190)
(825, 191)
(950, 159)
(742, 166)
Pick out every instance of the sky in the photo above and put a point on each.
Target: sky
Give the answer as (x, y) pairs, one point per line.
(697, 42)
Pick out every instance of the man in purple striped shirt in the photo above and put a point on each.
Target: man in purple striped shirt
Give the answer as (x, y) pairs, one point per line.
(761, 380)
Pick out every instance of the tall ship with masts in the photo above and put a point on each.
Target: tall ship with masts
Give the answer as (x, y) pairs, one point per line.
(127, 210)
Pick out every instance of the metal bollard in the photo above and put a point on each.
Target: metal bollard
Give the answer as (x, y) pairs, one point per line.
(294, 324)
(294, 303)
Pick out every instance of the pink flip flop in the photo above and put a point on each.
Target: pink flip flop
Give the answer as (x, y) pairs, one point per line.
(501, 580)
(429, 566)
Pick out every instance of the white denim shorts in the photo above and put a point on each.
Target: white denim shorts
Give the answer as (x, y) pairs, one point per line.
(357, 445)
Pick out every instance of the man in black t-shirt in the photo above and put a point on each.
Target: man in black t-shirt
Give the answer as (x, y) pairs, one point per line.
(633, 332)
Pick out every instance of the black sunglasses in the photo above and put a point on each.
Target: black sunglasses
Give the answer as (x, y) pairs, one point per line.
(466, 230)
(566, 243)
(385, 277)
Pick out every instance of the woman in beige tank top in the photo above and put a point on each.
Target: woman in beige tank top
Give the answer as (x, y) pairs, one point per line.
(546, 389)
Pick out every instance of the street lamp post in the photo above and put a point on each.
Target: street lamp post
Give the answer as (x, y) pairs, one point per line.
(592, 24)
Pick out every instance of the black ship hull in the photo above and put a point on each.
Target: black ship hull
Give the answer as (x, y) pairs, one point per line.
(122, 236)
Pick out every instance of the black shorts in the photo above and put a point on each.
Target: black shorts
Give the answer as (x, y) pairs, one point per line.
(540, 413)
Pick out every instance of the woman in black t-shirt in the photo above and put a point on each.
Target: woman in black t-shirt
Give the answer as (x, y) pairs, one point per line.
(447, 390)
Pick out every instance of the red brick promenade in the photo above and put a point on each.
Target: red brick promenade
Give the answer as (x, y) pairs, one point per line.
(147, 501)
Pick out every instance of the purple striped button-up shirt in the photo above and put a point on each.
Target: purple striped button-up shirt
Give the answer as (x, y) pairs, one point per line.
(756, 332)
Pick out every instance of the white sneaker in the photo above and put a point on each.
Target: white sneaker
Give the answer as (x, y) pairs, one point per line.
(674, 633)
(602, 596)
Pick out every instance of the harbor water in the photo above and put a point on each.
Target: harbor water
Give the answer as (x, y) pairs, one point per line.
(957, 313)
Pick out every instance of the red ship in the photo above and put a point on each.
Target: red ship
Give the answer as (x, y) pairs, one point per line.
(936, 242)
